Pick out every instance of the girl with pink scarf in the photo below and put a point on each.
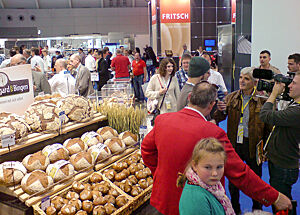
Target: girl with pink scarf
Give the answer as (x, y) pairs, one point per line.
(203, 192)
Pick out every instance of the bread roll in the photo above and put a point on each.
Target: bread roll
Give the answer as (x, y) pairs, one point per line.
(81, 160)
(99, 210)
(56, 152)
(60, 170)
(86, 195)
(121, 201)
(87, 206)
(99, 152)
(109, 208)
(36, 181)
(95, 178)
(11, 172)
(91, 138)
(77, 186)
(68, 209)
(57, 202)
(128, 138)
(77, 203)
(115, 144)
(107, 132)
(75, 145)
(81, 212)
(72, 195)
(51, 211)
(36, 161)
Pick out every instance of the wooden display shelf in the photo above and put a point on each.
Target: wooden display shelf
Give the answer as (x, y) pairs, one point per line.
(38, 137)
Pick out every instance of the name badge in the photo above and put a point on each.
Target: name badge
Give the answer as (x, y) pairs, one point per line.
(168, 105)
(240, 134)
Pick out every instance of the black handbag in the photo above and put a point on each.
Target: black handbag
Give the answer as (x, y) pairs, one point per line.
(156, 112)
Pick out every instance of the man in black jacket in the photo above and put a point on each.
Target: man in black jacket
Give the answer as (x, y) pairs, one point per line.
(102, 69)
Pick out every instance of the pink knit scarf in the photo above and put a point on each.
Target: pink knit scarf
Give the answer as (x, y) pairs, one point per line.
(217, 190)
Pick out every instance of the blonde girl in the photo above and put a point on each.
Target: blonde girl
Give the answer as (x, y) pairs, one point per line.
(203, 192)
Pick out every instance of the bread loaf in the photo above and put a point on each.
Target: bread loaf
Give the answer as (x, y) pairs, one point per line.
(107, 132)
(99, 152)
(115, 144)
(60, 170)
(43, 116)
(36, 181)
(56, 152)
(91, 138)
(81, 160)
(77, 108)
(128, 138)
(16, 123)
(75, 145)
(36, 161)
(11, 172)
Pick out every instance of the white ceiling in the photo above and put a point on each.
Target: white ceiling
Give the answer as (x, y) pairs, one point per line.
(49, 4)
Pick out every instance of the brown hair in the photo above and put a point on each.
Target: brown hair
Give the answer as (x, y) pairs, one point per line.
(162, 70)
(205, 145)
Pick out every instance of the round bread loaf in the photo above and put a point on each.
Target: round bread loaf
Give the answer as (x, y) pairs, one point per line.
(107, 132)
(128, 138)
(99, 152)
(91, 138)
(11, 172)
(115, 144)
(77, 108)
(36, 161)
(81, 160)
(36, 181)
(60, 170)
(75, 145)
(16, 123)
(56, 152)
(43, 116)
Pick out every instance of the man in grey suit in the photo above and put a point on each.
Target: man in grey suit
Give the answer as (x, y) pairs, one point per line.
(83, 83)
(40, 82)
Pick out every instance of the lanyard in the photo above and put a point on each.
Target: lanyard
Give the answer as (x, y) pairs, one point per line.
(244, 107)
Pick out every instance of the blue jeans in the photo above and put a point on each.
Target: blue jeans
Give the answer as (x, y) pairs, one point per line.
(150, 71)
(283, 179)
(137, 86)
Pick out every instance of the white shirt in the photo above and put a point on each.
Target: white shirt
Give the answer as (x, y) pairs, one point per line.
(5, 63)
(37, 61)
(90, 63)
(190, 108)
(217, 79)
(63, 83)
(47, 63)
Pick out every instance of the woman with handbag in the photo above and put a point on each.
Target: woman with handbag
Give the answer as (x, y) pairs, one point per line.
(163, 87)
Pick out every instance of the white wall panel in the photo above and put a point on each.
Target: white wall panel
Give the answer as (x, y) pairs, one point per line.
(79, 20)
(275, 27)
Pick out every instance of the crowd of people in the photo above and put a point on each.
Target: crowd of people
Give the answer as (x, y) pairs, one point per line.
(186, 148)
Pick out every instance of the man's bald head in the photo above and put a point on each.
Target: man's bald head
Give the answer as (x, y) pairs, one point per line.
(18, 59)
(203, 94)
(60, 65)
(75, 60)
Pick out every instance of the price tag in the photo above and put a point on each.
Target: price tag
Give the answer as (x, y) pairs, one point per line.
(8, 140)
(94, 76)
(45, 203)
(41, 93)
(142, 132)
(88, 136)
(56, 166)
(14, 165)
(97, 149)
(62, 117)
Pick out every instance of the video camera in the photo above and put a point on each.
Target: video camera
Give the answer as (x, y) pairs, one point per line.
(268, 86)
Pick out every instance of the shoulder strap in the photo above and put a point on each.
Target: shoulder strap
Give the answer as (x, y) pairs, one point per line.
(162, 101)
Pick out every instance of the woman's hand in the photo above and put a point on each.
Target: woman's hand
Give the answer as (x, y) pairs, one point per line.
(162, 91)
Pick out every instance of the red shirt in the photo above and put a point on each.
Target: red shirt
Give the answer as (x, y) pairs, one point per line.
(120, 63)
(138, 67)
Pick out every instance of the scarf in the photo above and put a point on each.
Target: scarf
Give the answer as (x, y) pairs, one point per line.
(217, 190)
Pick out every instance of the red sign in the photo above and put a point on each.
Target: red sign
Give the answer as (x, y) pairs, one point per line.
(175, 11)
(153, 11)
(233, 11)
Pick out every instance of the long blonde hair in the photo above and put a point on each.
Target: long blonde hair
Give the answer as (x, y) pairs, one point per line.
(204, 146)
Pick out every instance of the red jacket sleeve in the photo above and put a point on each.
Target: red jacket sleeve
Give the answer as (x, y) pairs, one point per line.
(149, 151)
(113, 63)
(244, 178)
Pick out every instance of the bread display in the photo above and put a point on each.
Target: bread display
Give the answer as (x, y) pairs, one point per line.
(36, 161)
(36, 181)
(115, 144)
(11, 173)
(60, 170)
(77, 108)
(81, 160)
(91, 138)
(107, 132)
(75, 145)
(56, 152)
(99, 152)
(128, 138)
(16, 123)
(43, 116)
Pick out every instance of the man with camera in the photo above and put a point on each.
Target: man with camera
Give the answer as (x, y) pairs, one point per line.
(283, 145)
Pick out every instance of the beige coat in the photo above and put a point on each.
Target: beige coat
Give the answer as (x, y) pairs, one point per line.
(83, 84)
(154, 87)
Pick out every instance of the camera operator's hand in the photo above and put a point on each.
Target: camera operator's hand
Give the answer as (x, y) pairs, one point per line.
(221, 106)
(277, 90)
(283, 202)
